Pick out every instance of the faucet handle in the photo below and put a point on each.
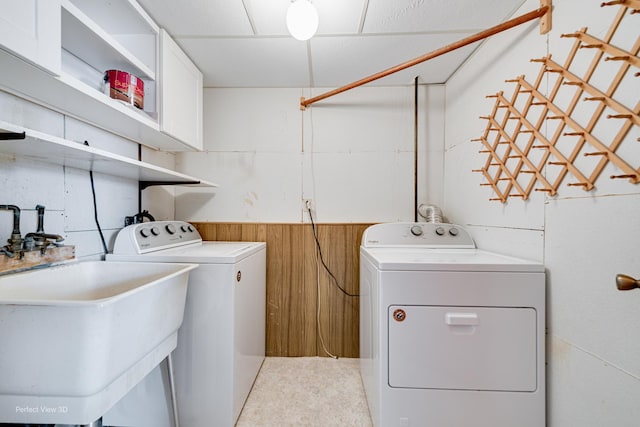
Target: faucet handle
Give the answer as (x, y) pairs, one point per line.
(29, 243)
(40, 209)
(626, 283)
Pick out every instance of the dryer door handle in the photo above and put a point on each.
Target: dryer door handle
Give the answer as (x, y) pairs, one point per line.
(461, 319)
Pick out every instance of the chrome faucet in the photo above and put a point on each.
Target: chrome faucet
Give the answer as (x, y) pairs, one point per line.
(40, 239)
(16, 240)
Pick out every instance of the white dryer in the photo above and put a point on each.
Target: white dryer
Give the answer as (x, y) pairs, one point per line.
(221, 343)
(450, 335)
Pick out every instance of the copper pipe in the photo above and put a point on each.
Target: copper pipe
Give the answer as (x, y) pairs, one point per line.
(433, 54)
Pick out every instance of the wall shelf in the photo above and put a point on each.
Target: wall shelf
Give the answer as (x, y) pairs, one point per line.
(70, 96)
(41, 147)
(89, 42)
(94, 37)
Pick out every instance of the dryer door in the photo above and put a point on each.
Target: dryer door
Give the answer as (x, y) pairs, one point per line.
(462, 348)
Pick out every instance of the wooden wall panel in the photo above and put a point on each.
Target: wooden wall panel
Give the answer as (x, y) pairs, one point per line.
(339, 313)
(292, 291)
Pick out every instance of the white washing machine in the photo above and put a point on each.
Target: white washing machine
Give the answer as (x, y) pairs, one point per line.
(221, 344)
(450, 335)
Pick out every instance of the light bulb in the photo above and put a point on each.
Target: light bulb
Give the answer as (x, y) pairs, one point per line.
(302, 19)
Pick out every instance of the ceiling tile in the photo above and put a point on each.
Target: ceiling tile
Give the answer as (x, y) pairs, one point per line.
(335, 16)
(339, 16)
(200, 17)
(399, 16)
(348, 59)
(248, 62)
(269, 17)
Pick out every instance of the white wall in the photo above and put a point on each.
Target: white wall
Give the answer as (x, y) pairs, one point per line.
(352, 155)
(584, 238)
(66, 192)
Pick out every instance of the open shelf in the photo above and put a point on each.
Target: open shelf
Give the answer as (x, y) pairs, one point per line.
(86, 40)
(35, 145)
(68, 95)
(96, 36)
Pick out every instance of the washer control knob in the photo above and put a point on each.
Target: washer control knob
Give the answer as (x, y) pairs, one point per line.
(171, 229)
(440, 231)
(144, 232)
(453, 231)
(155, 231)
(184, 228)
(416, 230)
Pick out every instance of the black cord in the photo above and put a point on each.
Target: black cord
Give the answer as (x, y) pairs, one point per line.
(315, 236)
(95, 208)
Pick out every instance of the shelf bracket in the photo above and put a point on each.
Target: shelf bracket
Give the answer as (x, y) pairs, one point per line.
(145, 184)
(545, 20)
(6, 136)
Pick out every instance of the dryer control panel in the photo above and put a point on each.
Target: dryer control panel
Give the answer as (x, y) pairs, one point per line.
(423, 234)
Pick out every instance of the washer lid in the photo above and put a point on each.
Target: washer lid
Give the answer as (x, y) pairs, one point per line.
(438, 259)
(201, 253)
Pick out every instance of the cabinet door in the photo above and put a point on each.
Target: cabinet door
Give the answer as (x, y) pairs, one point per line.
(180, 94)
(31, 30)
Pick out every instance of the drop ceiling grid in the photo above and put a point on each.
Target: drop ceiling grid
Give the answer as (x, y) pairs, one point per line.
(219, 37)
(359, 57)
(202, 18)
(250, 62)
(419, 16)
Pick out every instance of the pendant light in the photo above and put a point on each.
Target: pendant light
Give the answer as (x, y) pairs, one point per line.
(302, 19)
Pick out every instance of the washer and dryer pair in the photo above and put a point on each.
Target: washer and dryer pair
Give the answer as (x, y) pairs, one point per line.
(450, 335)
(221, 343)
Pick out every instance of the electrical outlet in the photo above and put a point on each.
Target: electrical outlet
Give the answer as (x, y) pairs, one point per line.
(307, 204)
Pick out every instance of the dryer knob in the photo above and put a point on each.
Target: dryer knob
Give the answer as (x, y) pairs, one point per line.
(453, 231)
(416, 230)
(155, 231)
(171, 229)
(440, 231)
(144, 232)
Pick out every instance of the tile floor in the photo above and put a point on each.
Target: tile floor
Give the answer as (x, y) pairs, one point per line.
(306, 391)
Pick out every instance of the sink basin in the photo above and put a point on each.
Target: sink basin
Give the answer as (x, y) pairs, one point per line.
(76, 338)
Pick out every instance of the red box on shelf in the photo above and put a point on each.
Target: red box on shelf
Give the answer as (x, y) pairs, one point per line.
(124, 87)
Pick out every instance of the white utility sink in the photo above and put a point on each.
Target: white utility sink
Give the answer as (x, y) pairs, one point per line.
(75, 338)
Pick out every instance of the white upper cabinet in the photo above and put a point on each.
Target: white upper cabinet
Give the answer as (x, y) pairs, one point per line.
(31, 30)
(76, 41)
(180, 94)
